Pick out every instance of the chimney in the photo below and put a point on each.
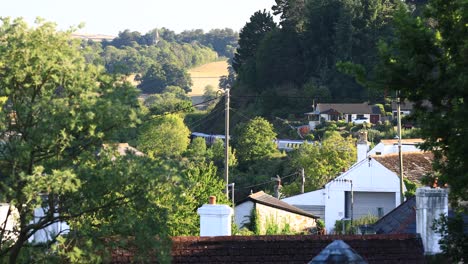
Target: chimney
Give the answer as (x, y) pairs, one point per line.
(430, 204)
(215, 219)
(362, 145)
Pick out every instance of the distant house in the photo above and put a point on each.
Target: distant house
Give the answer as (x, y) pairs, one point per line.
(373, 183)
(346, 112)
(272, 210)
(388, 146)
(406, 107)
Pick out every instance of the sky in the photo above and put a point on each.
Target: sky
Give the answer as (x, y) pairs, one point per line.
(109, 17)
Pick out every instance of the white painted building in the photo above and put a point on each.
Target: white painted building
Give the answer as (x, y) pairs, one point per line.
(389, 146)
(375, 190)
(375, 182)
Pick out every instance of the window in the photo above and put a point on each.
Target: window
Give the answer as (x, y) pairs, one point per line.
(380, 212)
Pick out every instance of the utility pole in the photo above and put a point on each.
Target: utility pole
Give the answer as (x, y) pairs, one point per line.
(400, 154)
(226, 145)
(303, 180)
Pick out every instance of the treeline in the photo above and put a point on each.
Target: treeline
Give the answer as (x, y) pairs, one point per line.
(290, 64)
(160, 58)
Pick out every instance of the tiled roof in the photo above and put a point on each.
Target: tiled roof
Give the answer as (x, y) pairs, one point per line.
(400, 248)
(265, 199)
(338, 252)
(363, 108)
(401, 220)
(405, 141)
(415, 164)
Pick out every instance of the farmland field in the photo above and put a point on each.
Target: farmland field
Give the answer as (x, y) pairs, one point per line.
(207, 74)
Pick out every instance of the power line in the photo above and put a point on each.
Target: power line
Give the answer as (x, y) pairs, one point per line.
(214, 113)
(255, 185)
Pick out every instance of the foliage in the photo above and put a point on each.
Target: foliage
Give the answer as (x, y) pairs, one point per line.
(321, 162)
(158, 77)
(58, 113)
(410, 188)
(353, 228)
(163, 136)
(223, 41)
(249, 38)
(255, 140)
(172, 99)
(454, 242)
(426, 62)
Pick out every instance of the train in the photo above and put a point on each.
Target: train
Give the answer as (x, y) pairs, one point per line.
(281, 144)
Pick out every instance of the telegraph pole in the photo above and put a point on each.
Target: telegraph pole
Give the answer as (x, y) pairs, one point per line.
(303, 180)
(226, 147)
(400, 154)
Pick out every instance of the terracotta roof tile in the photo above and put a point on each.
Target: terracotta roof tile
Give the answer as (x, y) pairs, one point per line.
(415, 164)
(399, 248)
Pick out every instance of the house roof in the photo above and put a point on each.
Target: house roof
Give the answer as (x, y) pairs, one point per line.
(393, 248)
(268, 200)
(406, 141)
(363, 108)
(401, 220)
(415, 164)
(338, 252)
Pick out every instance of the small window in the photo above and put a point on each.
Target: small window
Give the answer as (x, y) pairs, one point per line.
(378, 153)
(380, 212)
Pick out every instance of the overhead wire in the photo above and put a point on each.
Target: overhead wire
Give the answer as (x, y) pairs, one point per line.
(266, 182)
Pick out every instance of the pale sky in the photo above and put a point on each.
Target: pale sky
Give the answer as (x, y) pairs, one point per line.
(111, 16)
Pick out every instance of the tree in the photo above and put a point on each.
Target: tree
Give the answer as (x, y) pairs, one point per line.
(164, 136)
(172, 99)
(322, 162)
(291, 13)
(158, 77)
(255, 140)
(58, 112)
(427, 62)
(250, 36)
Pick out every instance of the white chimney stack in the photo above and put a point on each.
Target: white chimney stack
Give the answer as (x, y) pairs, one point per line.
(215, 219)
(362, 146)
(430, 204)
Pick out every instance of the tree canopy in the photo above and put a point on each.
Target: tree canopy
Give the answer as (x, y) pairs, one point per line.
(58, 112)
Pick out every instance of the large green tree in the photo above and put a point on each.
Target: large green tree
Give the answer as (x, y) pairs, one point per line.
(57, 113)
(164, 136)
(322, 161)
(261, 22)
(255, 140)
(427, 62)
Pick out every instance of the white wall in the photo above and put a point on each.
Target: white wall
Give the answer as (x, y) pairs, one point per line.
(215, 220)
(309, 198)
(366, 176)
(10, 222)
(50, 232)
(430, 204)
(389, 149)
(242, 213)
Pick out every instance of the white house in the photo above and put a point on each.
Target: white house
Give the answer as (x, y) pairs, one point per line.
(389, 146)
(375, 190)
